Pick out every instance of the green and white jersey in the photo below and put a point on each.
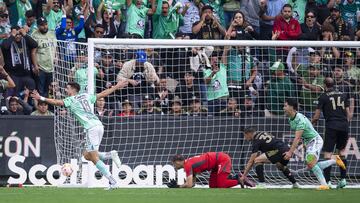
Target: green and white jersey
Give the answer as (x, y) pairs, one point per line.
(300, 122)
(217, 88)
(80, 106)
(81, 77)
(53, 18)
(136, 18)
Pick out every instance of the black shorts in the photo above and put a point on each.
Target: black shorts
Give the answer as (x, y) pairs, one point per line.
(335, 137)
(277, 157)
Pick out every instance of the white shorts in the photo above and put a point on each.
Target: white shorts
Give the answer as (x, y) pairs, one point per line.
(314, 147)
(93, 138)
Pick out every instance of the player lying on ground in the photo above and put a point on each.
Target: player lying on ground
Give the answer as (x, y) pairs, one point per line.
(335, 106)
(219, 165)
(80, 106)
(312, 141)
(272, 151)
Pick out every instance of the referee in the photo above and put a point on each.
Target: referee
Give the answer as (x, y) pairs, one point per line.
(335, 106)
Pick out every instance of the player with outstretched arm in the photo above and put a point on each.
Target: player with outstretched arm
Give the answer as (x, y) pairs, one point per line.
(219, 165)
(80, 106)
(271, 150)
(312, 141)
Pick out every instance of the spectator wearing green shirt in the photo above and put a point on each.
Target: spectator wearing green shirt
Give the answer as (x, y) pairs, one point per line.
(312, 87)
(109, 20)
(136, 18)
(29, 24)
(4, 26)
(167, 19)
(53, 12)
(299, 7)
(215, 78)
(348, 9)
(280, 87)
(352, 71)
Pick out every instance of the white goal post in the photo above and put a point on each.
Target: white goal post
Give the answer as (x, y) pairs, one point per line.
(147, 142)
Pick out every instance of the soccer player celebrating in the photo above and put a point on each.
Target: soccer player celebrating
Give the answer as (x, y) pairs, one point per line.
(80, 106)
(312, 141)
(272, 151)
(218, 163)
(335, 106)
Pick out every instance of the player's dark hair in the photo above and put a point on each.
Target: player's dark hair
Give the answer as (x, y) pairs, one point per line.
(329, 82)
(74, 85)
(249, 129)
(177, 157)
(292, 102)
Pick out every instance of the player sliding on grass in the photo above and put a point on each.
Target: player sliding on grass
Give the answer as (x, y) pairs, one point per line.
(219, 165)
(272, 151)
(80, 106)
(311, 140)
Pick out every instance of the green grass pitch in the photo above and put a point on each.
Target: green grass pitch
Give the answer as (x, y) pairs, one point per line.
(70, 195)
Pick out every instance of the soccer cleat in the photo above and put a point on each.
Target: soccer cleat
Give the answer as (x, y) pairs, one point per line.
(115, 158)
(111, 187)
(341, 183)
(260, 186)
(340, 163)
(295, 186)
(323, 187)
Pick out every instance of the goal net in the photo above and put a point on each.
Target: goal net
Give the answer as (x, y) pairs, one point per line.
(176, 104)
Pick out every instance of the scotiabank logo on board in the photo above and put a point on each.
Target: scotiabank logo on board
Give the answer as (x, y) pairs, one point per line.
(154, 174)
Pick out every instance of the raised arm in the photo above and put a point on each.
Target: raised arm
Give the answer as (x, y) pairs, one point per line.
(48, 7)
(10, 82)
(121, 84)
(153, 8)
(56, 102)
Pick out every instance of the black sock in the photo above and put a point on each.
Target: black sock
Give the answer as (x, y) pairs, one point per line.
(342, 171)
(327, 172)
(260, 172)
(289, 176)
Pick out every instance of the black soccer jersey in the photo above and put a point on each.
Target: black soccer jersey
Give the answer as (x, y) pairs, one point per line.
(333, 104)
(265, 142)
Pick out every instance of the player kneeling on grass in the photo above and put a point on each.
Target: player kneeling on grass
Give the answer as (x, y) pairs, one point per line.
(219, 165)
(80, 106)
(272, 151)
(312, 141)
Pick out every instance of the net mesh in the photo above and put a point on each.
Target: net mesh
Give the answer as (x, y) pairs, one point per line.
(175, 105)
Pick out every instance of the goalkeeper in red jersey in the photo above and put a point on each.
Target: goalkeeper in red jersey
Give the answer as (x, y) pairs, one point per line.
(219, 165)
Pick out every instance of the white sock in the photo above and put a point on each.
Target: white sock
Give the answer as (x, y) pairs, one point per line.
(104, 155)
(325, 164)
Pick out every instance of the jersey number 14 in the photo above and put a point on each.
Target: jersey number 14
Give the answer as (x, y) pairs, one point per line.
(339, 103)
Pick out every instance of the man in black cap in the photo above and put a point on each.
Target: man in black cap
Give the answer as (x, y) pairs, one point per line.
(342, 31)
(44, 55)
(209, 26)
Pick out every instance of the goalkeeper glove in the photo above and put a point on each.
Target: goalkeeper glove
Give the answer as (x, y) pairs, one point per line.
(173, 184)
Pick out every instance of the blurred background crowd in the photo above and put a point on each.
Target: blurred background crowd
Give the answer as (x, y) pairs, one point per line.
(39, 37)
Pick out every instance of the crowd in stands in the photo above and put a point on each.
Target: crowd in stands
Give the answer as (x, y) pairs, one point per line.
(37, 36)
